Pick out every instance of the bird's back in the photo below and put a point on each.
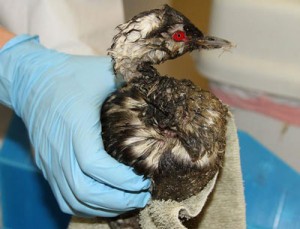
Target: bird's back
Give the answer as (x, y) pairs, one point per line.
(168, 130)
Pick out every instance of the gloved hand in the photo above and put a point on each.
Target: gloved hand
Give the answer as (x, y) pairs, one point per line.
(59, 97)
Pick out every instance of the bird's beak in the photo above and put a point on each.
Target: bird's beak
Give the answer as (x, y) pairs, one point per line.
(209, 42)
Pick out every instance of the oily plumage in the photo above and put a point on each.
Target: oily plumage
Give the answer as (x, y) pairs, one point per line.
(158, 124)
(168, 130)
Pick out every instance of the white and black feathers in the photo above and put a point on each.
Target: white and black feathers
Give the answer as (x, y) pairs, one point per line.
(167, 129)
(153, 37)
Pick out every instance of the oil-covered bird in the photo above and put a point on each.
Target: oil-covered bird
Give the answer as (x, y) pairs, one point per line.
(168, 130)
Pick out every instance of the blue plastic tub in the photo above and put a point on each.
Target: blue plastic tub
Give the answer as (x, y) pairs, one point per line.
(272, 188)
(27, 201)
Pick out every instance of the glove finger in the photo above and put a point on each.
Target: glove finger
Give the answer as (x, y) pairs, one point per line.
(95, 162)
(72, 204)
(69, 203)
(96, 194)
(102, 167)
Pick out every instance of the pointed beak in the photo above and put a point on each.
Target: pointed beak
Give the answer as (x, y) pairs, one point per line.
(210, 42)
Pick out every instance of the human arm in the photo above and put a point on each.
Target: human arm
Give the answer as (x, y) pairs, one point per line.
(59, 97)
(5, 36)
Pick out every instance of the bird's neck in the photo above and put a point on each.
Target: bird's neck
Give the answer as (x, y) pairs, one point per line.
(130, 68)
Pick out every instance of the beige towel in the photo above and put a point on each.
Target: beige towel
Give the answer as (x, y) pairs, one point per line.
(223, 208)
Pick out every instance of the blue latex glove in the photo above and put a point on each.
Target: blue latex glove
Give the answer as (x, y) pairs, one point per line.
(59, 97)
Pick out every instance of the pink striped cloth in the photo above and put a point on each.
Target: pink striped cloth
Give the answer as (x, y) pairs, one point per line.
(289, 113)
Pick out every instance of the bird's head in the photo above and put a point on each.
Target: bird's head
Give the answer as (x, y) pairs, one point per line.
(155, 36)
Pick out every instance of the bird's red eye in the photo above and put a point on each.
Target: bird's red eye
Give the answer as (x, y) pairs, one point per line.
(179, 36)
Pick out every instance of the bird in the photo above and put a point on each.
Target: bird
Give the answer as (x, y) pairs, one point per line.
(168, 130)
